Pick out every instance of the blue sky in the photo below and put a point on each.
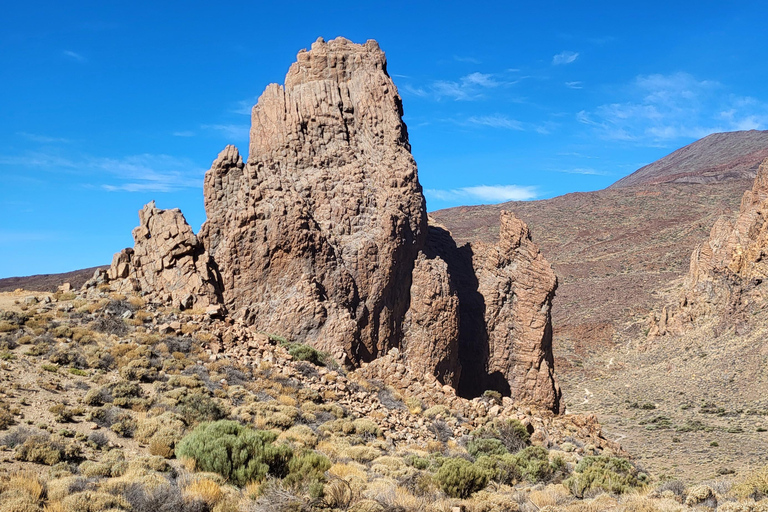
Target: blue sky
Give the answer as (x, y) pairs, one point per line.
(105, 106)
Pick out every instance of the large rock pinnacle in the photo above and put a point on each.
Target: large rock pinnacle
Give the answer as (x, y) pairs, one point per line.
(321, 236)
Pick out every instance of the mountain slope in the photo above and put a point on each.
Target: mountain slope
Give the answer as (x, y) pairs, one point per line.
(715, 158)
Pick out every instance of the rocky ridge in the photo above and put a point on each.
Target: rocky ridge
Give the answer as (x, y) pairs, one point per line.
(727, 271)
(321, 237)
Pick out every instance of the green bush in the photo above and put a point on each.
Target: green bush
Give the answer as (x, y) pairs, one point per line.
(236, 452)
(302, 352)
(308, 468)
(41, 449)
(511, 433)
(533, 463)
(609, 474)
(196, 408)
(459, 478)
(478, 447)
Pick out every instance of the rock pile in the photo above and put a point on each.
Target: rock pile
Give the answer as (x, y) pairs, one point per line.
(167, 262)
(322, 237)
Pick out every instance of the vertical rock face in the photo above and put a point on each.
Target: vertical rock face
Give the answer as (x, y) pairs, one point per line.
(518, 286)
(726, 271)
(321, 236)
(167, 262)
(318, 232)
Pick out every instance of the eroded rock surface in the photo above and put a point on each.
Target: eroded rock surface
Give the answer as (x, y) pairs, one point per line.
(727, 271)
(167, 262)
(316, 235)
(321, 237)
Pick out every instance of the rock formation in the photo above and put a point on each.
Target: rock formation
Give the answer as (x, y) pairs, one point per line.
(167, 263)
(726, 271)
(321, 236)
(317, 234)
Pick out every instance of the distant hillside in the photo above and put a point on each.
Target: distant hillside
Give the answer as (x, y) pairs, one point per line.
(47, 282)
(715, 158)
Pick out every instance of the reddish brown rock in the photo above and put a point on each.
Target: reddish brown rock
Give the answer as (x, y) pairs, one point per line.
(726, 271)
(431, 326)
(518, 285)
(167, 262)
(321, 237)
(317, 233)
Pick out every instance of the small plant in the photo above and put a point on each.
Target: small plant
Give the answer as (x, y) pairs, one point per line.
(459, 478)
(609, 474)
(50, 368)
(236, 452)
(78, 372)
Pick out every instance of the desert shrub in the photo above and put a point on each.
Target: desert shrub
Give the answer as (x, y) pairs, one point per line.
(163, 498)
(754, 485)
(307, 468)
(459, 478)
(111, 465)
(197, 408)
(62, 413)
(485, 446)
(124, 393)
(236, 452)
(109, 325)
(97, 396)
(437, 411)
(6, 418)
(510, 432)
(17, 436)
(97, 440)
(40, 448)
(302, 352)
(161, 433)
(533, 463)
(492, 395)
(603, 473)
(94, 501)
(114, 418)
(442, 431)
(300, 435)
(68, 355)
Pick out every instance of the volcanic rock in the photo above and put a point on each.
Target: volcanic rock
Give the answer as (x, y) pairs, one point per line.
(321, 237)
(726, 271)
(167, 262)
(316, 235)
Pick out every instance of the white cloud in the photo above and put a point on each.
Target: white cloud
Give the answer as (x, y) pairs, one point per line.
(565, 57)
(184, 133)
(587, 171)
(574, 85)
(74, 56)
(470, 60)
(468, 87)
(244, 107)
(496, 121)
(484, 193)
(145, 172)
(662, 108)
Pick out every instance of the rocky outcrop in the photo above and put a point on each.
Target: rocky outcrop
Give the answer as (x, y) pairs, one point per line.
(316, 235)
(321, 237)
(518, 286)
(167, 262)
(727, 271)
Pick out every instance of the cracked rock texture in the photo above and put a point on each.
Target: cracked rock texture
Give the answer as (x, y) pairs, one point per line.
(727, 272)
(167, 263)
(321, 237)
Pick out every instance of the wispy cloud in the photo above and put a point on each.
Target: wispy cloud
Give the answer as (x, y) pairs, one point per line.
(574, 85)
(74, 56)
(468, 87)
(565, 57)
(484, 193)
(662, 108)
(230, 131)
(471, 60)
(145, 172)
(43, 138)
(184, 133)
(497, 121)
(587, 171)
(244, 107)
